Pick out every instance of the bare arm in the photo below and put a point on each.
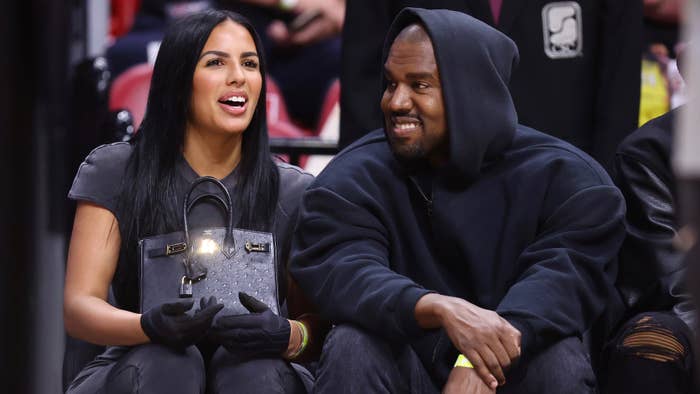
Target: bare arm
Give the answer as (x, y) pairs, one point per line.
(485, 338)
(92, 261)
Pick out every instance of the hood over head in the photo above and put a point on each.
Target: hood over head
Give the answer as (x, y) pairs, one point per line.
(475, 63)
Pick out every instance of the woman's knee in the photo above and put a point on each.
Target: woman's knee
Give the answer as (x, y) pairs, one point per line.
(264, 375)
(158, 369)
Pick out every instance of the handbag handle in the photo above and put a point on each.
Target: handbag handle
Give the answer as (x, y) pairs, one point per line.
(195, 272)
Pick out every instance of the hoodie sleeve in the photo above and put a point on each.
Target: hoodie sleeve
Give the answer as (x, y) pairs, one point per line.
(350, 279)
(568, 271)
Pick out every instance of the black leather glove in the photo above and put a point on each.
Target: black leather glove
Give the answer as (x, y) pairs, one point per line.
(260, 333)
(170, 325)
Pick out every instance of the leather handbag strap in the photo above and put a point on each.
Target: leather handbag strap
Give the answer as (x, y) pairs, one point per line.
(194, 270)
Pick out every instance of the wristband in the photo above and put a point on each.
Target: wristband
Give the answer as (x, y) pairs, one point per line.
(463, 362)
(304, 340)
(287, 5)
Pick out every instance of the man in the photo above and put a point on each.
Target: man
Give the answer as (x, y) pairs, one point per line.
(578, 77)
(457, 231)
(652, 352)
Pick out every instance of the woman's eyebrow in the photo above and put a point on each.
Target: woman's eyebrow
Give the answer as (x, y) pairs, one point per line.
(226, 55)
(217, 53)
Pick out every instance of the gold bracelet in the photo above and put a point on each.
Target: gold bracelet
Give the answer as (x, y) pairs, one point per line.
(304, 340)
(463, 362)
(287, 5)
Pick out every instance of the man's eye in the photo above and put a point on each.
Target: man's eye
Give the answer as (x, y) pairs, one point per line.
(214, 62)
(391, 85)
(420, 85)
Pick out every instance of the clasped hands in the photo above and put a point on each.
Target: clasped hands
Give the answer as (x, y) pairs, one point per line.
(261, 333)
(490, 342)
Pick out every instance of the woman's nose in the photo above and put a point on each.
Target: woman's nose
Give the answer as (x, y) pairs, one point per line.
(236, 76)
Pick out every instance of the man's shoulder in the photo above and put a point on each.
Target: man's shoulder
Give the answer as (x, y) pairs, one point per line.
(368, 155)
(540, 154)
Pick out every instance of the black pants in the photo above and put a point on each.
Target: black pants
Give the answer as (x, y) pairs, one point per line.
(651, 353)
(354, 361)
(157, 369)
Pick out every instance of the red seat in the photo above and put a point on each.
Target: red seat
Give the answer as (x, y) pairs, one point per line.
(329, 103)
(130, 91)
(122, 16)
(276, 107)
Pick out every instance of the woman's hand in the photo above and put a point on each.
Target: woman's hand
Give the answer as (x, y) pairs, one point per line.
(170, 325)
(258, 334)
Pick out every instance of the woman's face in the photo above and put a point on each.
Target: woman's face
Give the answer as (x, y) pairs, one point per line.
(226, 83)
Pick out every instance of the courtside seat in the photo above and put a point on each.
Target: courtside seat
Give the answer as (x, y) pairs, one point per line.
(130, 91)
(122, 16)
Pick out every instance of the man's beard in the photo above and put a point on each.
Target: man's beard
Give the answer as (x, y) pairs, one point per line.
(411, 156)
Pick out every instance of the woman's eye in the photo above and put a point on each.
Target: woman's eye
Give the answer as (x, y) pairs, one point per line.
(214, 62)
(250, 64)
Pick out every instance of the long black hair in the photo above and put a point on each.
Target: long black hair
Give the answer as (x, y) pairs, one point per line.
(148, 200)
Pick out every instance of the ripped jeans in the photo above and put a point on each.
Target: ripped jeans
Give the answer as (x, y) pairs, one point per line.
(651, 353)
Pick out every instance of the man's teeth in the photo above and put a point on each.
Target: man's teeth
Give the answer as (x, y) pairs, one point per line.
(406, 126)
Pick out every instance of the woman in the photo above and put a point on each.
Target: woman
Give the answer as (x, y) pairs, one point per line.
(205, 116)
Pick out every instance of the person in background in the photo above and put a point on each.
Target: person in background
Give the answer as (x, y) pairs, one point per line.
(206, 117)
(140, 44)
(302, 42)
(456, 250)
(578, 77)
(652, 351)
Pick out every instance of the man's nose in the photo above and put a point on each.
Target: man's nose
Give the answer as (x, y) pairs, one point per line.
(400, 100)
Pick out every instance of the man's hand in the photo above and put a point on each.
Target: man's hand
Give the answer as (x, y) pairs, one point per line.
(465, 381)
(481, 335)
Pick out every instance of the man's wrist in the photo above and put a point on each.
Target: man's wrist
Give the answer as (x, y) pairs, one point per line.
(428, 311)
(463, 362)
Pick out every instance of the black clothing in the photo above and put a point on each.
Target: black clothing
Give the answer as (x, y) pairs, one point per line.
(652, 270)
(99, 180)
(381, 367)
(590, 99)
(518, 221)
(157, 369)
(651, 353)
(169, 324)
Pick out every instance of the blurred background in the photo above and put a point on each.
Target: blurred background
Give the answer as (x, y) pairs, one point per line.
(75, 74)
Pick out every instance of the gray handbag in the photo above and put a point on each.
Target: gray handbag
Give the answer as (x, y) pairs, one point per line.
(216, 262)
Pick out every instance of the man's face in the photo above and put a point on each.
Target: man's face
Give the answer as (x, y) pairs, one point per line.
(412, 103)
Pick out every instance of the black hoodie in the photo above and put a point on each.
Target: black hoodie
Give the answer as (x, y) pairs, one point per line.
(518, 222)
